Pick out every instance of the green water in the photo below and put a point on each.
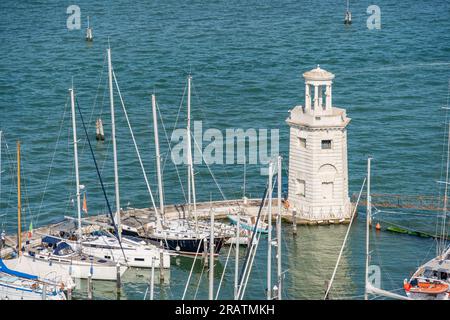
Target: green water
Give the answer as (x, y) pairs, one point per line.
(246, 58)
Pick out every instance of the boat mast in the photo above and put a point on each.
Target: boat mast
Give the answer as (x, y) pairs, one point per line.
(75, 154)
(19, 203)
(245, 173)
(211, 257)
(158, 156)
(441, 247)
(113, 134)
(191, 180)
(1, 132)
(368, 222)
(236, 258)
(269, 238)
(279, 275)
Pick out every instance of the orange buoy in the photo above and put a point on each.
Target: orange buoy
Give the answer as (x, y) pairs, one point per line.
(378, 227)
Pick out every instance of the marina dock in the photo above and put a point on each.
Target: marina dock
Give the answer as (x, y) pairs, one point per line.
(220, 208)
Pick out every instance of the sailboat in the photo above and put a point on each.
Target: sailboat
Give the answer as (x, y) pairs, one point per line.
(16, 285)
(105, 245)
(61, 253)
(369, 287)
(431, 281)
(179, 236)
(22, 264)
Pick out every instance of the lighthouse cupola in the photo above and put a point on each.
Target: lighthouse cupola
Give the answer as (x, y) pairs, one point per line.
(318, 91)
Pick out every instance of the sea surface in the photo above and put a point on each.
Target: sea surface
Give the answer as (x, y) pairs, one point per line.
(246, 59)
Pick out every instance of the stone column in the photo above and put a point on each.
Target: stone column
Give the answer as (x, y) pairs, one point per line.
(320, 97)
(328, 97)
(316, 98)
(307, 97)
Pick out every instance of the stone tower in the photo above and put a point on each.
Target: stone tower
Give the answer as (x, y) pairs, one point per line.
(318, 174)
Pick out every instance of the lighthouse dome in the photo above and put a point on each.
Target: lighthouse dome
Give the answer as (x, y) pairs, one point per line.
(318, 74)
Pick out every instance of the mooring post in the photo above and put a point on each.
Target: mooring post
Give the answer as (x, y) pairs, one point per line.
(69, 294)
(161, 264)
(118, 281)
(294, 222)
(89, 286)
(327, 283)
(44, 291)
(152, 281)
(205, 253)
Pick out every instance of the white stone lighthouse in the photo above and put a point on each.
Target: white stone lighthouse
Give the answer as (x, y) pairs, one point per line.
(318, 174)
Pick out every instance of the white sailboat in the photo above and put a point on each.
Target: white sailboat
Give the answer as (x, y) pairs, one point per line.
(120, 249)
(22, 264)
(179, 236)
(56, 253)
(431, 281)
(16, 285)
(369, 287)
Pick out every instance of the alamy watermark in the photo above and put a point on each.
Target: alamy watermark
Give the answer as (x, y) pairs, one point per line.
(374, 275)
(374, 20)
(73, 21)
(212, 146)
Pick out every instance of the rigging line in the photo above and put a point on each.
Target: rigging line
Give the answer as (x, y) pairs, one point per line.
(441, 172)
(95, 101)
(209, 169)
(192, 269)
(101, 182)
(198, 283)
(243, 286)
(170, 150)
(442, 246)
(137, 151)
(225, 268)
(1, 132)
(247, 253)
(70, 183)
(176, 122)
(194, 89)
(26, 207)
(12, 173)
(345, 241)
(52, 161)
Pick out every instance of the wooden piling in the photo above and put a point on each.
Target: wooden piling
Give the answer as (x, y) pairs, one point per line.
(326, 284)
(161, 263)
(89, 287)
(118, 281)
(205, 253)
(152, 281)
(44, 291)
(69, 294)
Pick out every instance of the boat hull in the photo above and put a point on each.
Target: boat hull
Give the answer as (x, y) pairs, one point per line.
(54, 273)
(76, 268)
(137, 258)
(186, 247)
(11, 292)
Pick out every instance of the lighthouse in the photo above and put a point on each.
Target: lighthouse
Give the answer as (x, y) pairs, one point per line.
(318, 172)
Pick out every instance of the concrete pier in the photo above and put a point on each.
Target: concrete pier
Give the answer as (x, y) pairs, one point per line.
(220, 208)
